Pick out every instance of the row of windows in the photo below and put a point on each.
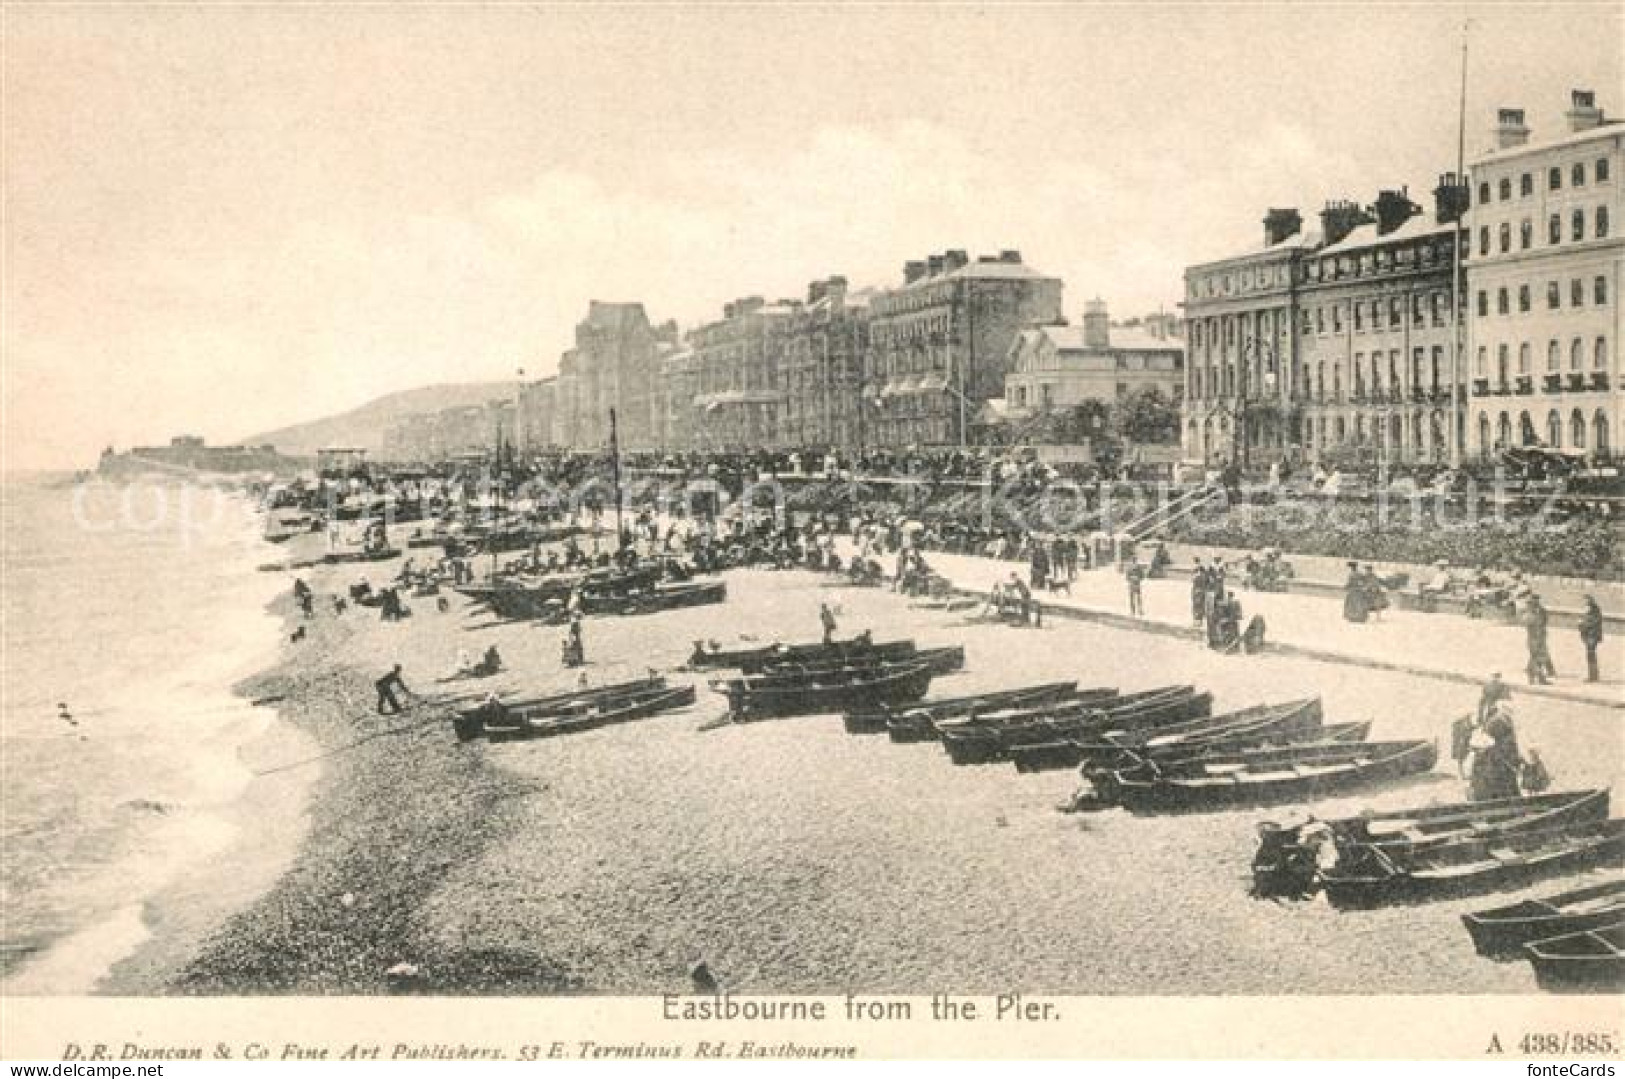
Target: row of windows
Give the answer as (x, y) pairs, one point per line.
(1501, 437)
(1554, 296)
(1554, 180)
(1554, 231)
(1554, 357)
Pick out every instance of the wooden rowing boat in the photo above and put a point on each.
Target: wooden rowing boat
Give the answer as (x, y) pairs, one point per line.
(978, 744)
(927, 713)
(944, 660)
(1297, 773)
(1287, 861)
(754, 698)
(1256, 725)
(591, 714)
(1502, 932)
(470, 722)
(746, 658)
(1592, 961)
(1473, 865)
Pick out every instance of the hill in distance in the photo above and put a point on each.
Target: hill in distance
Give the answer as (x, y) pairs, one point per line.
(365, 426)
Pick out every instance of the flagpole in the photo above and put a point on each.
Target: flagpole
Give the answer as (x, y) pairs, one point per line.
(615, 464)
(1456, 433)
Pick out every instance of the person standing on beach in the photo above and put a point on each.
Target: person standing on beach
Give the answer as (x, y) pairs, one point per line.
(827, 618)
(1591, 636)
(387, 685)
(1540, 670)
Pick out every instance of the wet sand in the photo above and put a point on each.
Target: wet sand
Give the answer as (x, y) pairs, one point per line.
(792, 857)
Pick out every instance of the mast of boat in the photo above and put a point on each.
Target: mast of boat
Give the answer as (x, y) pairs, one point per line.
(1458, 360)
(615, 465)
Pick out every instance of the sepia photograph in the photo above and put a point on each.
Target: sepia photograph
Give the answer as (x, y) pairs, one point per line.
(808, 531)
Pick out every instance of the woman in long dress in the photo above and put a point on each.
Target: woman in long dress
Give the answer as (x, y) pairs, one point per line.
(1496, 760)
(1354, 596)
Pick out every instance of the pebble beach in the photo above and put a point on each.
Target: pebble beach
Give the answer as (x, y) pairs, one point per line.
(787, 855)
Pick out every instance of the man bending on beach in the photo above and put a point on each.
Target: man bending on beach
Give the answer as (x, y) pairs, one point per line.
(387, 685)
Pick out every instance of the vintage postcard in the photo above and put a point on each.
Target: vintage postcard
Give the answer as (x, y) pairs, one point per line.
(798, 532)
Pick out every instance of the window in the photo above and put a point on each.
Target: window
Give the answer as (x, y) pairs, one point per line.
(1577, 429)
(1577, 293)
(1483, 193)
(1483, 362)
(1602, 223)
(1599, 291)
(1483, 303)
(1578, 225)
(1599, 433)
(1337, 318)
(1502, 357)
(1502, 304)
(1523, 358)
(1554, 229)
(1523, 298)
(1359, 319)
(1484, 240)
(1396, 312)
(1506, 237)
(1577, 355)
(1579, 175)
(1526, 234)
(1554, 296)
(1554, 429)
(1506, 188)
(1599, 354)
(1484, 432)
(1554, 355)
(1526, 185)
(1602, 170)
(1554, 179)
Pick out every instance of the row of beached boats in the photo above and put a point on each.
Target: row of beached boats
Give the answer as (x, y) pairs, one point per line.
(571, 712)
(781, 681)
(606, 591)
(1575, 939)
(1156, 750)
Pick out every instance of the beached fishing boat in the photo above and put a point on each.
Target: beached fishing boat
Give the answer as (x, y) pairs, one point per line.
(762, 697)
(1287, 861)
(1471, 866)
(985, 743)
(927, 713)
(746, 659)
(470, 722)
(1501, 932)
(588, 715)
(1298, 773)
(670, 596)
(1592, 961)
(944, 660)
(1296, 721)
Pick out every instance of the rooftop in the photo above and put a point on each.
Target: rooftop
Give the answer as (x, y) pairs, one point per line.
(1609, 128)
(1420, 225)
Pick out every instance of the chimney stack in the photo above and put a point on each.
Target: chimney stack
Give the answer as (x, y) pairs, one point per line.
(816, 290)
(1340, 218)
(1280, 224)
(1450, 199)
(953, 260)
(1510, 130)
(1583, 114)
(835, 289)
(1010, 255)
(1097, 326)
(1393, 209)
(913, 270)
(933, 265)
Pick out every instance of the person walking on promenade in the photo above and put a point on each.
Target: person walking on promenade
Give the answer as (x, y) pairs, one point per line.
(1355, 595)
(1198, 593)
(1038, 566)
(1134, 574)
(1540, 669)
(388, 703)
(826, 618)
(1591, 636)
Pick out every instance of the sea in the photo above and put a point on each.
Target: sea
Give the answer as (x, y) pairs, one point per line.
(129, 612)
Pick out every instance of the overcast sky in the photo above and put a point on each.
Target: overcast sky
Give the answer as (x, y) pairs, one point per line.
(223, 220)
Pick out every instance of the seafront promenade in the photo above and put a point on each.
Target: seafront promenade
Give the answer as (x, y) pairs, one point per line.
(1439, 645)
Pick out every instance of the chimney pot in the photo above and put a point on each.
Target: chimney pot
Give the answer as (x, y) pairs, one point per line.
(1097, 331)
(1510, 130)
(1583, 114)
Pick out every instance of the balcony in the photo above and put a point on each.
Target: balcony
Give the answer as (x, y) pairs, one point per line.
(1481, 387)
(1577, 381)
(1526, 385)
(1419, 394)
(1599, 380)
(1552, 383)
